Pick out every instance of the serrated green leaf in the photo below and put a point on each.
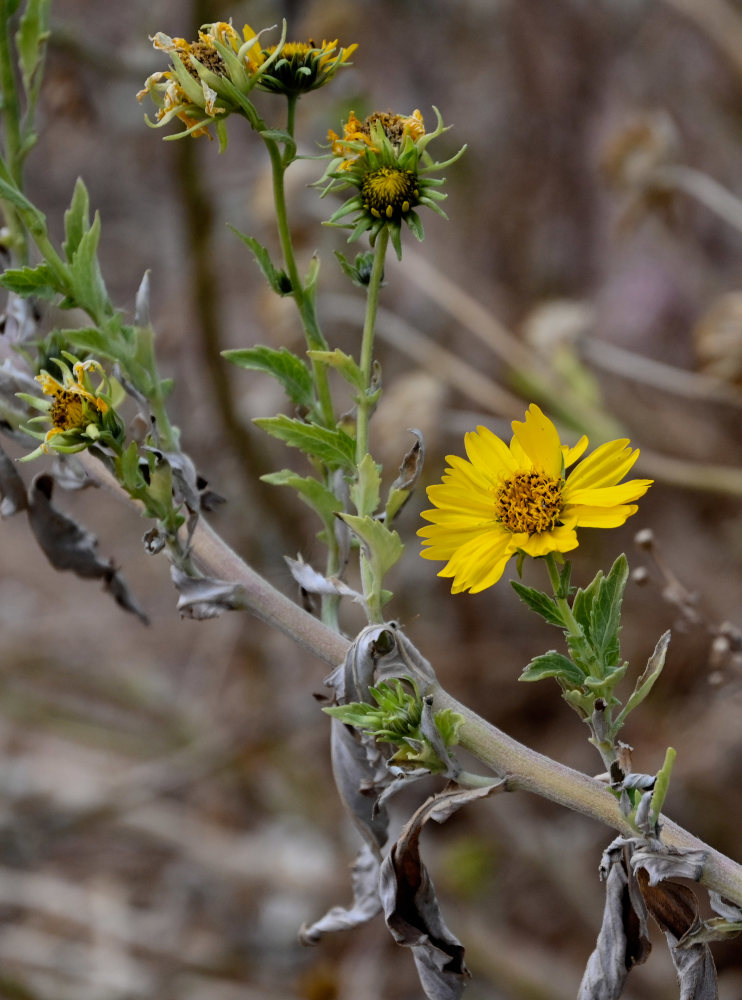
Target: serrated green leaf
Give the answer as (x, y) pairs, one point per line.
(87, 278)
(76, 219)
(39, 281)
(365, 490)
(33, 31)
(553, 664)
(277, 279)
(334, 448)
(290, 370)
(383, 547)
(583, 602)
(343, 363)
(91, 339)
(311, 490)
(539, 602)
(605, 613)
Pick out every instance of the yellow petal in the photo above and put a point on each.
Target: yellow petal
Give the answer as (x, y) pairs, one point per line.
(480, 562)
(489, 454)
(606, 466)
(608, 496)
(576, 451)
(560, 539)
(539, 439)
(602, 517)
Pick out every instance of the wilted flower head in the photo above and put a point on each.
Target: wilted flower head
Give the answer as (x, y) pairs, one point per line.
(385, 158)
(80, 414)
(209, 78)
(518, 498)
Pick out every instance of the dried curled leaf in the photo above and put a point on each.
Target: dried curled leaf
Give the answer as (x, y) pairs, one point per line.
(359, 767)
(203, 597)
(68, 546)
(313, 582)
(12, 488)
(648, 864)
(675, 909)
(366, 903)
(622, 940)
(411, 906)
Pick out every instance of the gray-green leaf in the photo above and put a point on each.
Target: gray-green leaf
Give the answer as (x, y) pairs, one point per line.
(553, 664)
(284, 366)
(332, 447)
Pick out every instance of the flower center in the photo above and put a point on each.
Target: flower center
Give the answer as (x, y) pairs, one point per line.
(208, 56)
(388, 193)
(67, 411)
(529, 502)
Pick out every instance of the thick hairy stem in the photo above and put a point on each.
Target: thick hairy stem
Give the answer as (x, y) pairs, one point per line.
(524, 769)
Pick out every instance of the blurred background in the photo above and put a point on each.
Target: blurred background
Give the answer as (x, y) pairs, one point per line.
(167, 816)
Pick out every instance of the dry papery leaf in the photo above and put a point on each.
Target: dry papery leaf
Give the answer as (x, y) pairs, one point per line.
(203, 597)
(400, 883)
(360, 774)
(637, 874)
(12, 488)
(69, 546)
(410, 903)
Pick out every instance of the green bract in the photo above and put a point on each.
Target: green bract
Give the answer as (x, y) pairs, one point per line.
(385, 159)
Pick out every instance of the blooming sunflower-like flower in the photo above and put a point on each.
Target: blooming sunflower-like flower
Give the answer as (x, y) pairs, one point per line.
(209, 78)
(385, 158)
(519, 498)
(80, 414)
(302, 66)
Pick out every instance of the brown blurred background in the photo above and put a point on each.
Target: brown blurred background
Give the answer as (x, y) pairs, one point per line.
(167, 818)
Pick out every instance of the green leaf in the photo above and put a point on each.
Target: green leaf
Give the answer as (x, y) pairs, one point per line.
(290, 370)
(39, 281)
(645, 683)
(605, 613)
(278, 280)
(127, 467)
(88, 284)
(76, 219)
(34, 219)
(31, 37)
(553, 664)
(312, 492)
(343, 363)
(332, 447)
(91, 339)
(383, 547)
(539, 602)
(365, 491)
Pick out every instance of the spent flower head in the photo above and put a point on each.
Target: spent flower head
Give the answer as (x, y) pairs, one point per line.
(519, 498)
(385, 158)
(209, 78)
(80, 413)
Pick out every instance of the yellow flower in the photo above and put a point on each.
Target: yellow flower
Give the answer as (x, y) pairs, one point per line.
(356, 136)
(385, 159)
(519, 498)
(80, 414)
(303, 66)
